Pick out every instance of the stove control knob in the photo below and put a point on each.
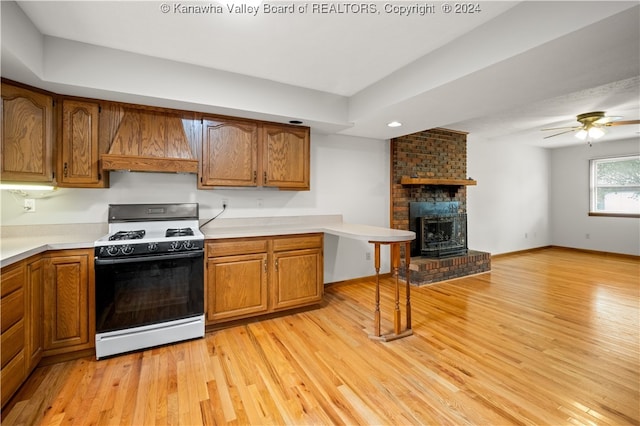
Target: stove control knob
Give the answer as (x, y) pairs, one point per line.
(175, 246)
(112, 250)
(127, 249)
(152, 247)
(187, 245)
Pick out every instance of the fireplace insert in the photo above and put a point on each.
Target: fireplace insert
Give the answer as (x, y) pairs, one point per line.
(441, 231)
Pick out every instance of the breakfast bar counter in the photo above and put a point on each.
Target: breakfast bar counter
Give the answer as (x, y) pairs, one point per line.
(20, 242)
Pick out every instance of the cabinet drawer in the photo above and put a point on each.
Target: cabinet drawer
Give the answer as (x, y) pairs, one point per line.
(12, 376)
(12, 309)
(297, 242)
(12, 279)
(12, 342)
(236, 246)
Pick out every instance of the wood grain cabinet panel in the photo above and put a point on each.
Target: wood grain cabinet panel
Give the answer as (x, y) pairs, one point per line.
(247, 277)
(236, 286)
(285, 157)
(12, 325)
(68, 302)
(12, 376)
(12, 341)
(298, 278)
(229, 153)
(78, 154)
(27, 135)
(146, 140)
(34, 344)
(246, 153)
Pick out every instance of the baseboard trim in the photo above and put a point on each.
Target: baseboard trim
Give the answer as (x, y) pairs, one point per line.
(535, 249)
(357, 280)
(519, 252)
(599, 252)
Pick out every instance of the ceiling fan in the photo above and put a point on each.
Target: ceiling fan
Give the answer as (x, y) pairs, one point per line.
(591, 125)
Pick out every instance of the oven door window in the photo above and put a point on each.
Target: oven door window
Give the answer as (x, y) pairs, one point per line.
(149, 291)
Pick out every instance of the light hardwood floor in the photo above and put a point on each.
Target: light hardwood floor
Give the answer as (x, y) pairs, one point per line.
(547, 337)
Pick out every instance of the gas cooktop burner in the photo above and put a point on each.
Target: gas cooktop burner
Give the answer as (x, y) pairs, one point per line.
(179, 232)
(127, 235)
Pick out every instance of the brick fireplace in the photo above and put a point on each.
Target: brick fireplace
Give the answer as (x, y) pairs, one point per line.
(430, 167)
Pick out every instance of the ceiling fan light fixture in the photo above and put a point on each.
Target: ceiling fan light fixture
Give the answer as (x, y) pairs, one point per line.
(582, 134)
(595, 133)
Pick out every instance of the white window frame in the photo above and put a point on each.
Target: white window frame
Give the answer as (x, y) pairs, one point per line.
(593, 208)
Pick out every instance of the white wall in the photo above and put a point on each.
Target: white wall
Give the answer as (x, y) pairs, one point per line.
(571, 224)
(509, 208)
(349, 176)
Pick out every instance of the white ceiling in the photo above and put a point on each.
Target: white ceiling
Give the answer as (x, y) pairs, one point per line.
(502, 73)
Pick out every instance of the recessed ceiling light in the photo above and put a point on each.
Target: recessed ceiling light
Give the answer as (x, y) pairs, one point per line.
(394, 124)
(295, 122)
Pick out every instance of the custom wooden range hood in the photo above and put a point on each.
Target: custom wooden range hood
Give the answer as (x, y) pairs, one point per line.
(150, 141)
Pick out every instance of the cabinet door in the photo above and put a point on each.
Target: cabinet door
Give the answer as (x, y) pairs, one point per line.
(285, 157)
(68, 297)
(297, 278)
(229, 153)
(78, 163)
(27, 135)
(236, 286)
(35, 313)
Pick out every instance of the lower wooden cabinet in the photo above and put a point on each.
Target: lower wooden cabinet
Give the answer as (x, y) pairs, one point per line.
(246, 277)
(69, 315)
(46, 308)
(237, 286)
(21, 312)
(34, 312)
(297, 277)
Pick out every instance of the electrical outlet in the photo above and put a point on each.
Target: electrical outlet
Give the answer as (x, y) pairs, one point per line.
(259, 203)
(367, 255)
(225, 203)
(29, 205)
(587, 236)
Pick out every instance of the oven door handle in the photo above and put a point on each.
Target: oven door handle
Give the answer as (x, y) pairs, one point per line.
(153, 258)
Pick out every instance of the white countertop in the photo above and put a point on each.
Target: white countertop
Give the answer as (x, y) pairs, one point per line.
(330, 224)
(21, 242)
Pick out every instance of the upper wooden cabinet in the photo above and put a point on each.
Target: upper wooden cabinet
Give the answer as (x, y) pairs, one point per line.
(244, 153)
(229, 153)
(285, 157)
(78, 153)
(90, 137)
(27, 135)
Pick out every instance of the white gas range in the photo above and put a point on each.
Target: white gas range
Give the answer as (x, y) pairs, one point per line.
(149, 277)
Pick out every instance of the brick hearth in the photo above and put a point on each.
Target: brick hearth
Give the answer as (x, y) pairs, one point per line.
(428, 271)
(440, 154)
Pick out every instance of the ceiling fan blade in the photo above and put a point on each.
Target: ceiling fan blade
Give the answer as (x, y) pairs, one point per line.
(561, 133)
(562, 128)
(622, 123)
(607, 119)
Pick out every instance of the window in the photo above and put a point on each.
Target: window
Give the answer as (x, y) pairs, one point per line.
(615, 186)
